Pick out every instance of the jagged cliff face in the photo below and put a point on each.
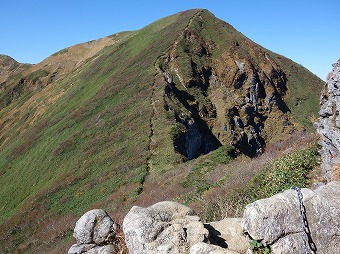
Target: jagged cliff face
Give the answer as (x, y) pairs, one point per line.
(229, 91)
(329, 124)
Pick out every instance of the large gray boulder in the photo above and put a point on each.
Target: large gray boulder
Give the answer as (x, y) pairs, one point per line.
(165, 227)
(95, 226)
(278, 222)
(95, 232)
(328, 125)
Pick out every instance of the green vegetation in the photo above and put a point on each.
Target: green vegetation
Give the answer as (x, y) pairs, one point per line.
(284, 173)
(90, 142)
(176, 131)
(303, 92)
(258, 248)
(60, 52)
(198, 178)
(34, 76)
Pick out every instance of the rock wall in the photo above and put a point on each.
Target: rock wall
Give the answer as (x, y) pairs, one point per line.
(328, 125)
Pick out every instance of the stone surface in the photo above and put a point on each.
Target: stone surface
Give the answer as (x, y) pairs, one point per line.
(228, 233)
(91, 249)
(106, 249)
(95, 232)
(277, 220)
(80, 248)
(205, 248)
(95, 226)
(165, 227)
(328, 125)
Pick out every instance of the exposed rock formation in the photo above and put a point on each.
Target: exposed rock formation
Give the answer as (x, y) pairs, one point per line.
(165, 227)
(229, 98)
(277, 220)
(95, 232)
(169, 227)
(329, 125)
(295, 221)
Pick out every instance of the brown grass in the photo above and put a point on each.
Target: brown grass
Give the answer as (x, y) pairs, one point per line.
(336, 173)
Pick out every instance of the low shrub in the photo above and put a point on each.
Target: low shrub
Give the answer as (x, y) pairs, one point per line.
(285, 172)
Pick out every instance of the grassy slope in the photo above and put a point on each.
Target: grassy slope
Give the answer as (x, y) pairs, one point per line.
(303, 93)
(98, 137)
(95, 138)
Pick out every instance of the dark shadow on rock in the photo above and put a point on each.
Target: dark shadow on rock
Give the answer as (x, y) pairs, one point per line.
(208, 140)
(214, 237)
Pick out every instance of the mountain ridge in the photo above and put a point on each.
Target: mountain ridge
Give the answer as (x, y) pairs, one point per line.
(130, 113)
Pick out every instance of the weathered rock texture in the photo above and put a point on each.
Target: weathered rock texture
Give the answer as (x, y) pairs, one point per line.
(277, 220)
(169, 227)
(205, 248)
(226, 101)
(95, 232)
(228, 233)
(165, 227)
(329, 125)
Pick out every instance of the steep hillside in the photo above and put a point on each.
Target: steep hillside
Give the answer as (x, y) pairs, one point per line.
(98, 124)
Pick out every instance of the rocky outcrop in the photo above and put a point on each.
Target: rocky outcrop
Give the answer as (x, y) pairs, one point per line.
(236, 99)
(169, 227)
(95, 232)
(294, 221)
(165, 227)
(328, 125)
(297, 220)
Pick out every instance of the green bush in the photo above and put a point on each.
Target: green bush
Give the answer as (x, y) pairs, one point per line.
(222, 155)
(258, 248)
(177, 130)
(285, 172)
(34, 76)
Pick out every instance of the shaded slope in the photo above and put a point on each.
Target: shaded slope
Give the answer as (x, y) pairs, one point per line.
(91, 131)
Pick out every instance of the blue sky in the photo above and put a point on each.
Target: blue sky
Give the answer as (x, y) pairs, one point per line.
(308, 32)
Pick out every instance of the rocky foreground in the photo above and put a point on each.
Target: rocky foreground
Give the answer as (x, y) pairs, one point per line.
(295, 221)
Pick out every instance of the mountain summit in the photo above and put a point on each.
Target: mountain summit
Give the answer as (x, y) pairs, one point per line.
(91, 124)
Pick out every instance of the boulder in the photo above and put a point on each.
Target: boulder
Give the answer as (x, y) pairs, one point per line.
(165, 227)
(278, 220)
(95, 226)
(95, 232)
